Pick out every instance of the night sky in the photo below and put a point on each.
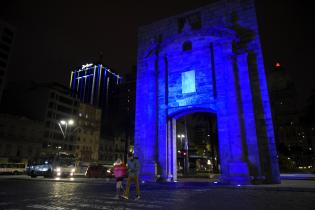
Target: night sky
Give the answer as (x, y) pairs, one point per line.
(55, 37)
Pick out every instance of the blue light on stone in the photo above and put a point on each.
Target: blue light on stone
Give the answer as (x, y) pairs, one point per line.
(188, 82)
(222, 74)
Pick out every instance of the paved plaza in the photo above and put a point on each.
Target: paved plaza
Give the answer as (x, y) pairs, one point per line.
(21, 192)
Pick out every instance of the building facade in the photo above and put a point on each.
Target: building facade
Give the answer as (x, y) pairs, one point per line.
(88, 134)
(125, 109)
(48, 103)
(206, 60)
(98, 85)
(20, 138)
(111, 149)
(6, 42)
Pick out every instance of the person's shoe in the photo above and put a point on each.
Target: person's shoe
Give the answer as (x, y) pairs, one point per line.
(137, 197)
(124, 197)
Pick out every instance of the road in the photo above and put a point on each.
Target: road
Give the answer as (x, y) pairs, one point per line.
(40, 193)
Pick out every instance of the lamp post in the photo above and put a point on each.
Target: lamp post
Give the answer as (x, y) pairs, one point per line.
(181, 136)
(65, 123)
(65, 128)
(185, 147)
(58, 149)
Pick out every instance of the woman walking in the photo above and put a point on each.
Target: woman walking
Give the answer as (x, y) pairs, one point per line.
(120, 170)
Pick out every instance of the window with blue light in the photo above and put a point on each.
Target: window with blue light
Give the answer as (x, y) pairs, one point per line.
(188, 82)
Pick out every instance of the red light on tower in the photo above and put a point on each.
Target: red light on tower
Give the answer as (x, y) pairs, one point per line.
(278, 65)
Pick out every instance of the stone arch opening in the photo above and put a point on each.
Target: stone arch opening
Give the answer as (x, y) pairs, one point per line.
(196, 149)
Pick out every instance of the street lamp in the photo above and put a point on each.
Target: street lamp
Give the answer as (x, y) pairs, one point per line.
(70, 122)
(186, 157)
(63, 125)
(181, 136)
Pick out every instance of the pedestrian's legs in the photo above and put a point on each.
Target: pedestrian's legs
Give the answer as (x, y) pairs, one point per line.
(136, 179)
(122, 187)
(128, 186)
(118, 186)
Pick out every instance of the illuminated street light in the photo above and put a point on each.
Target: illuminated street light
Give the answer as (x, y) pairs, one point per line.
(209, 162)
(185, 147)
(63, 125)
(181, 136)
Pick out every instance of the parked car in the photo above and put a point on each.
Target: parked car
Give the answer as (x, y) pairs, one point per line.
(12, 168)
(99, 171)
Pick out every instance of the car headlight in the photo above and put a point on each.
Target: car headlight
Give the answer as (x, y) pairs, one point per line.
(58, 169)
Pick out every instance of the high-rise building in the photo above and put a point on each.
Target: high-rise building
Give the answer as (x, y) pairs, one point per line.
(293, 138)
(284, 105)
(125, 100)
(96, 84)
(6, 41)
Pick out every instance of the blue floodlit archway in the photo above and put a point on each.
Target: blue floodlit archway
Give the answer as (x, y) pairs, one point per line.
(195, 62)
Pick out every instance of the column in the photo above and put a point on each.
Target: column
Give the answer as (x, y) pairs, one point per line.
(249, 118)
(235, 169)
(162, 118)
(146, 122)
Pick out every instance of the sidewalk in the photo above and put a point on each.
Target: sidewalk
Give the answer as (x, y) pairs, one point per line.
(308, 176)
(289, 182)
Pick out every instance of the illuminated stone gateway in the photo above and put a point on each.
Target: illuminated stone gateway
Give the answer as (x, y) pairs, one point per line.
(207, 60)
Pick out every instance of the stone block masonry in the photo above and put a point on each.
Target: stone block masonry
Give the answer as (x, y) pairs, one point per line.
(205, 60)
